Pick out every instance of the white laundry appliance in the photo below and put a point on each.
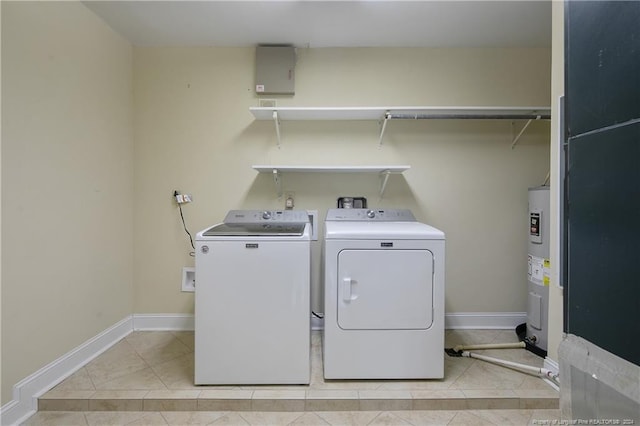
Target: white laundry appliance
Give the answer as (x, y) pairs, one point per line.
(252, 299)
(384, 296)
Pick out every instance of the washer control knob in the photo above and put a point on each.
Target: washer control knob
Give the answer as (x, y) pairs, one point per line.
(266, 215)
(371, 214)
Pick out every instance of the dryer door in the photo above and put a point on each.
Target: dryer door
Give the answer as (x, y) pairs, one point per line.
(385, 289)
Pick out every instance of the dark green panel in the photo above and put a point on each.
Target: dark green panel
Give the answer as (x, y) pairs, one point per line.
(604, 240)
(602, 64)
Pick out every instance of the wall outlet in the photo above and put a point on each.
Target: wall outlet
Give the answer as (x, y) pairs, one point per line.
(189, 279)
(183, 198)
(289, 201)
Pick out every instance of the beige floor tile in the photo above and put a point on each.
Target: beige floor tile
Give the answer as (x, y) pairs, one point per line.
(177, 373)
(80, 380)
(142, 379)
(225, 400)
(270, 418)
(120, 394)
(192, 418)
(156, 347)
(544, 417)
(426, 418)
(117, 361)
(110, 418)
(439, 400)
(232, 419)
(172, 394)
(467, 418)
(123, 368)
(505, 336)
(151, 419)
(310, 419)
(342, 418)
(170, 404)
(117, 400)
(56, 418)
(533, 382)
(468, 337)
(226, 394)
(186, 337)
(537, 393)
(388, 418)
(56, 393)
(116, 405)
(63, 404)
(504, 417)
(414, 385)
(332, 400)
(483, 375)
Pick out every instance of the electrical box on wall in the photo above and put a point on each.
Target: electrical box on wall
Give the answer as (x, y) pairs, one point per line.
(275, 70)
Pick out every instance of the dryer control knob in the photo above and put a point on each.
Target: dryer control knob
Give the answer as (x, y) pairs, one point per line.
(371, 214)
(266, 215)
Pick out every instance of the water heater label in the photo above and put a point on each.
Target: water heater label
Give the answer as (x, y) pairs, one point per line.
(536, 270)
(535, 223)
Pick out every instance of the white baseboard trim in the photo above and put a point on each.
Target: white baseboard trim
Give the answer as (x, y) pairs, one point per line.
(163, 322)
(484, 320)
(27, 391)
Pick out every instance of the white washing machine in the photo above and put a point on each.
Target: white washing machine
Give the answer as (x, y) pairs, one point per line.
(384, 296)
(252, 299)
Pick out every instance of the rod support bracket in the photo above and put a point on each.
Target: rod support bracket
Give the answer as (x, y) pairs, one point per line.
(384, 177)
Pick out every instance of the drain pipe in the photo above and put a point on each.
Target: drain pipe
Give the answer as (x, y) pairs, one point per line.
(539, 371)
(491, 346)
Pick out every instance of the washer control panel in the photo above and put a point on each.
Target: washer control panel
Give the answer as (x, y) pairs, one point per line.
(261, 216)
(372, 215)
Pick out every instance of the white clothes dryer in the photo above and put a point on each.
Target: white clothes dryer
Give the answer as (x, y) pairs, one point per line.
(384, 296)
(252, 299)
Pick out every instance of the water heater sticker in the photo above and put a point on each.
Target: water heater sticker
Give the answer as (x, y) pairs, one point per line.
(546, 272)
(536, 269)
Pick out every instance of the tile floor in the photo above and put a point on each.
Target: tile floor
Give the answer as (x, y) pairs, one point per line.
(147, 378)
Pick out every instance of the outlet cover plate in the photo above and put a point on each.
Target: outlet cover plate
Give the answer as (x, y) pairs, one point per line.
(189, 279)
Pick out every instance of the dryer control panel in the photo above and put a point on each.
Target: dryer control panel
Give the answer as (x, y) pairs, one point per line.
(261, 216)
(371, 215)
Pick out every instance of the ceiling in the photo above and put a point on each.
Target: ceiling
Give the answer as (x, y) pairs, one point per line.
(309, 23)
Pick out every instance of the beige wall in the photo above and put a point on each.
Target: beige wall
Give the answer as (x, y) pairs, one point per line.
(67, 182)
(557, 90)
(194, 133)
(80, 252)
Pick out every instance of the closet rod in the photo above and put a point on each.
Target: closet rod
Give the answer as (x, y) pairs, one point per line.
(522, 116)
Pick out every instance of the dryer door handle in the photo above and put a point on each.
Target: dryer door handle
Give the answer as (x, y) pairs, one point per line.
(347, 293)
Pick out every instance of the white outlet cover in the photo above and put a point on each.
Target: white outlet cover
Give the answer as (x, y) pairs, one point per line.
(188, 279)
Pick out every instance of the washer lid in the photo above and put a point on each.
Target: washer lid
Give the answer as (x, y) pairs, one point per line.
(255, 229)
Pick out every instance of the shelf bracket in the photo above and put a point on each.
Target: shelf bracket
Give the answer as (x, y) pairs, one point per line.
(276, 122)
(384, 177)
(383, 126)
(277, 179)
(515, 140)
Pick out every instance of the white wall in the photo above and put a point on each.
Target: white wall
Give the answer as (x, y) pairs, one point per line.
(194, 133)
(557, 90)
(67, 182)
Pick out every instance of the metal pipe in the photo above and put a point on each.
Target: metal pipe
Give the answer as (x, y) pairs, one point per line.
(514, 116)
(540, 371)
(518, 345)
